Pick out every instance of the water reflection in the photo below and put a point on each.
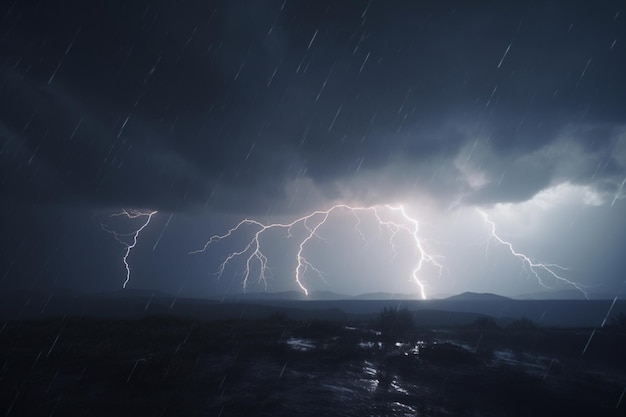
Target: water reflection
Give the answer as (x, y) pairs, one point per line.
(370, 345)
(371, 376)
(407, 349)
(530, 362)
(400, 409)
(301, 344)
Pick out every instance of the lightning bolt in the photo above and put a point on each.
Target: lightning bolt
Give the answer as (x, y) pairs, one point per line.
(534, 268)
(123, 238)
(312, 222)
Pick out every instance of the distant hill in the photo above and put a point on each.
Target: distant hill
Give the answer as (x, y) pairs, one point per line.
(385, 296)
(133, 292)
(474, 296)
(315, 296)
(253, 296)
(327, 295)
(460, 309)
(568, 295)
(283, 296)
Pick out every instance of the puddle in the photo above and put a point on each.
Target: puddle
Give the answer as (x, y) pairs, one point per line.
(302, 345)
(522, 360)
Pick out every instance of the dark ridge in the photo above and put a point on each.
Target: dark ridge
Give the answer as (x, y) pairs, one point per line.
(474, 296)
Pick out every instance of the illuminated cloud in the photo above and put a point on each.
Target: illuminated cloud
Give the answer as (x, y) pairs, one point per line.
(220, 112)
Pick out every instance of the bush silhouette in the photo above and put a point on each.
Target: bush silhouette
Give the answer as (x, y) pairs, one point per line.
(485, 324)
(523, 325)
(395, 323)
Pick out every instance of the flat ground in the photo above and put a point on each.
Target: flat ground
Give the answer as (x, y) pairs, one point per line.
(166, 366)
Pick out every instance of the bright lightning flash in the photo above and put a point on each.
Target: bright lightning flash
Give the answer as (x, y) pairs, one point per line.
(129, 240)
(312, 223)
(533, 268)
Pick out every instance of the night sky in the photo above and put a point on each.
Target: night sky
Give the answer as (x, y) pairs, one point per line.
(212, 112)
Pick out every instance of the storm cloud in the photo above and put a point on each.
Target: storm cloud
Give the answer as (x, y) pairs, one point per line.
(173, 106)
(276, 107)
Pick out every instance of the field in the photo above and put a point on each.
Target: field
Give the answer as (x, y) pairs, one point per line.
(387, 365)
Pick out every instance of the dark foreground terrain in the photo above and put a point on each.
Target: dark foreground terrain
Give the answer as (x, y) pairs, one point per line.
(167, 366)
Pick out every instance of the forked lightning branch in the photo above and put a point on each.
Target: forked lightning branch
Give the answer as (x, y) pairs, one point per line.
(129, 240)
(535, 269)
(393, 220)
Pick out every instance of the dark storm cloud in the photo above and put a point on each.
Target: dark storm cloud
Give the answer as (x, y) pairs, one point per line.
(171, 105)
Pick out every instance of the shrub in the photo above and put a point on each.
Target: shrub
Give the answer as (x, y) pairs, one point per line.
(395, 322)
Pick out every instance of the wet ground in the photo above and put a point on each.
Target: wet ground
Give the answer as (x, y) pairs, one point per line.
(164, 366)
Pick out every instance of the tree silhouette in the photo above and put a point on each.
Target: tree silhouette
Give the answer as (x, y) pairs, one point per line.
(395, 323)
(523, 325)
